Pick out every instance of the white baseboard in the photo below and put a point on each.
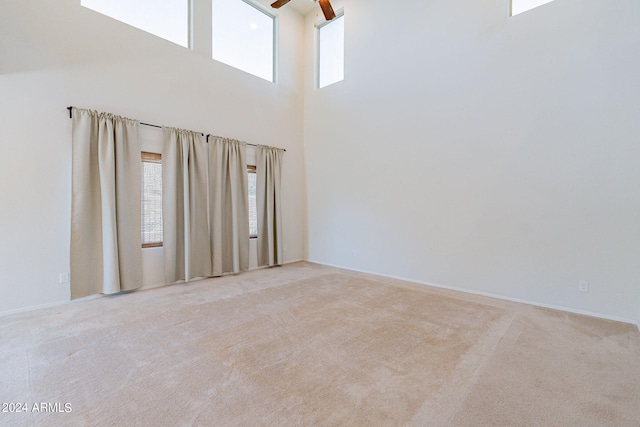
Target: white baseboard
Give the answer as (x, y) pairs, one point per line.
(490, 295)
(33, 307)
(419, 282)
(48, 305)
(143, 288)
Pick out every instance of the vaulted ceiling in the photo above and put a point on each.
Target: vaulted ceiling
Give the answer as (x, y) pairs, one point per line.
(303, 6)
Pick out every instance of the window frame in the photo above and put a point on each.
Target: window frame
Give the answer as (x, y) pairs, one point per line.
(200, 31)
(318, 26)
(156, 158)
(252, 169)
(274, 49)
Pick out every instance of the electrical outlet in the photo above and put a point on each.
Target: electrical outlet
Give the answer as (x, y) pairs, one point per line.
(583, 286)
(64, 277)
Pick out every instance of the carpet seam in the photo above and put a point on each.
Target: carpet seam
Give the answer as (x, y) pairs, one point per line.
(453, 411)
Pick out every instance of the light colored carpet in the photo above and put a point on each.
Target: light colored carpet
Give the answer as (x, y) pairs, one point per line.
(307, 345)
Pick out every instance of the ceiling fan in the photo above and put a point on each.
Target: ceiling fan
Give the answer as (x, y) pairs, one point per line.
(325, 5)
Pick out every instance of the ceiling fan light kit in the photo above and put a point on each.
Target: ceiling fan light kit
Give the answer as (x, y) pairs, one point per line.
(325, 5)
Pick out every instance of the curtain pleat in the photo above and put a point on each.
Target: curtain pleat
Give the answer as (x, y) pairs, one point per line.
(106, 252)
(229, 206)
(205, 205)
(187, 254)
(269, 171)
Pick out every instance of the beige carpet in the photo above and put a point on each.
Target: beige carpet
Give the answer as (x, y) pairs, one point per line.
(307, 345)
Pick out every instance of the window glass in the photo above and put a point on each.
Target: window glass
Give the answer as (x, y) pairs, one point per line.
(519, 6)
(331, 52)
(168, 19)
(243, 37)
(151, 200)
(253, 212)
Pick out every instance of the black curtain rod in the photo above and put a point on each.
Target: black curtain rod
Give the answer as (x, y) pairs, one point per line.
(159, 127)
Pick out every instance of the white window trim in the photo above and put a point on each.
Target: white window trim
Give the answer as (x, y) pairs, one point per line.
(200, 26)
(321, 22)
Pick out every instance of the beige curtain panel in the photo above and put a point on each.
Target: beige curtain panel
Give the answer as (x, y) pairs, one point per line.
(269, 170)
(187, 253)
(228, 206)
(106, 254)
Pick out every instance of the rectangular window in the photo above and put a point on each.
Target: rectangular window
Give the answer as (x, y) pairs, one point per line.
(168, 19)
(151, 200)
(519, 6)
(331, 52)
(243, 37)
(253, 211)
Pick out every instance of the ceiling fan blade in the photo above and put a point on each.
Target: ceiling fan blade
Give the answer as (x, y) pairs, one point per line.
(278, 4)
(329, 14)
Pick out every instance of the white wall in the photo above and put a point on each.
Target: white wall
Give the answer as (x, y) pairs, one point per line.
(464, 148)
(57, 53)
(472, 150)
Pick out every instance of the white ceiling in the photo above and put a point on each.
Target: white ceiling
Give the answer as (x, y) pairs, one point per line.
(302, 6)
